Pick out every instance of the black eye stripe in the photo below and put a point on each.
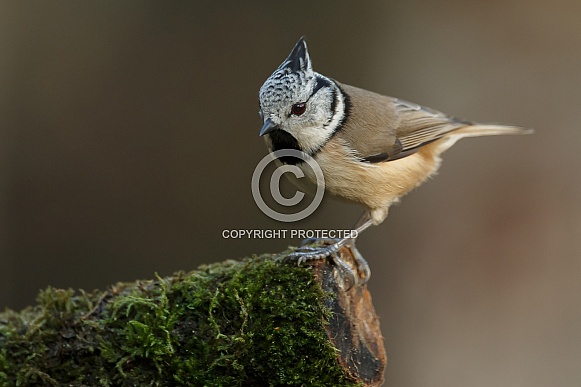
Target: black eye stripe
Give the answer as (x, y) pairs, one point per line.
(320, 83)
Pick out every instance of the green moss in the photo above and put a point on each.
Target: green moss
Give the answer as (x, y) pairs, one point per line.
(237, 323)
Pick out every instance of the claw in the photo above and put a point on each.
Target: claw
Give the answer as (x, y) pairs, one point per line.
(353, 273)
(358, 275)
(307, 253)
(363, 270)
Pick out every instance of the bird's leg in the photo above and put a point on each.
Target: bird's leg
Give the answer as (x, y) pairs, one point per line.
(363, 270)
(306, 253)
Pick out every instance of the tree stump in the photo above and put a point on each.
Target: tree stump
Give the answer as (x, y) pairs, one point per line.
(257, 321)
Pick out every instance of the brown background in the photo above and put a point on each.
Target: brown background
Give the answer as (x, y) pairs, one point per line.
(128, 137)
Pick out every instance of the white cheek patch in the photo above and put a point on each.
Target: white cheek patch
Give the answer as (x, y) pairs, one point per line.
(313, 138)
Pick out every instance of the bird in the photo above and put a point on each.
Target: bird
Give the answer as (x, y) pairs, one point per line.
(372, 149)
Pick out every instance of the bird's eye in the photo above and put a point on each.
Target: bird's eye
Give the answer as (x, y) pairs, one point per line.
(299, 108)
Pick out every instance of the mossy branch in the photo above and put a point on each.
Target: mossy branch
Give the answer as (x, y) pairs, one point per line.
(257, 321)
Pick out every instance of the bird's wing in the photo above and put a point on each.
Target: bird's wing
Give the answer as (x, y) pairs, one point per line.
(420, 125)
(381, 128)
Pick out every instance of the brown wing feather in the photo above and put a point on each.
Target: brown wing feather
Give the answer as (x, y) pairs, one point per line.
(393, 128)
(421, 125)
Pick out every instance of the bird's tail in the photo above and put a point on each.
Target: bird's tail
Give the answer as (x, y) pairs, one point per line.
(477, 130)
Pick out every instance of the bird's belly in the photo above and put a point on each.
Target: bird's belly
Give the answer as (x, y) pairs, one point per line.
(376, 185)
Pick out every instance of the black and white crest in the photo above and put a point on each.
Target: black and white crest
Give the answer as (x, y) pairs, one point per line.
(298, 59)
(300, 108)
(292, 79)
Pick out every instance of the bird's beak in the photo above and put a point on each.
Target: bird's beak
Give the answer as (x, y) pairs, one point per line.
(268, 127)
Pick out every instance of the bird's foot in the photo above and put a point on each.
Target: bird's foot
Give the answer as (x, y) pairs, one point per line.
(354, 273)
(308, 252)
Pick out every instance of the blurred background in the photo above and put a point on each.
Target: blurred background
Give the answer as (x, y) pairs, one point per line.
(129, 135)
